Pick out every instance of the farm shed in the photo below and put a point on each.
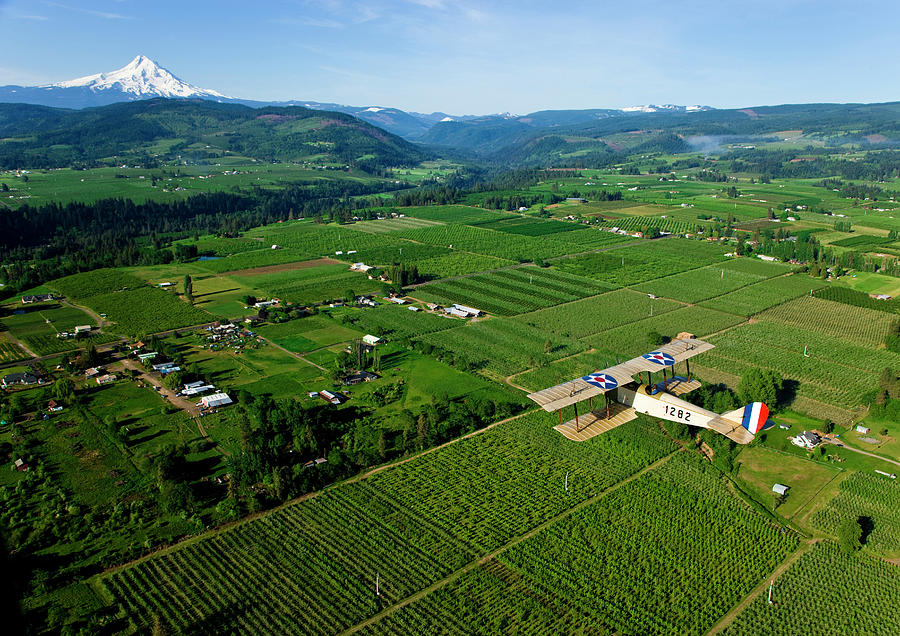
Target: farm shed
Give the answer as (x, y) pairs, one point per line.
(862, 429)
(472, 311)
(196, 390)
(780, 489)
(328, 396)
(369, 339)
(82, 328)
(216, 399)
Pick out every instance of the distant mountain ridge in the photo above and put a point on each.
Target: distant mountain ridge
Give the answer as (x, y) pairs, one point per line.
(142, 78)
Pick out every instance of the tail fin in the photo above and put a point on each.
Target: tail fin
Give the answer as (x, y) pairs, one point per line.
(752, 417)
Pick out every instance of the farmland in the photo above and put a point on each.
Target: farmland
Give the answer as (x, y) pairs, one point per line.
(873, 497)
(804, 597)
(511, 291)
(857, 324)
(502, 346)
(512, 529)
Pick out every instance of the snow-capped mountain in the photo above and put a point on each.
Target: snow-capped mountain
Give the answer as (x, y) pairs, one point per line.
(665, 108)
(142, 78)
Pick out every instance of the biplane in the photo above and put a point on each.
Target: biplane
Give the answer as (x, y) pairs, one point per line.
(624, 397)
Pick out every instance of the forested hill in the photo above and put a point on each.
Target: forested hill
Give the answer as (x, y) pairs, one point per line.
(38, 136)
(521, 141)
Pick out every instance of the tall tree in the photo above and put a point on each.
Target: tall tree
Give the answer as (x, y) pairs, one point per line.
(189, 288)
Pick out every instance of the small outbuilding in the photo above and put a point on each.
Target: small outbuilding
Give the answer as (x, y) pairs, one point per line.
(780, 489)
(862, 429)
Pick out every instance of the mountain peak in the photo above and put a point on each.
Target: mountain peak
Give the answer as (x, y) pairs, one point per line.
(140, 78)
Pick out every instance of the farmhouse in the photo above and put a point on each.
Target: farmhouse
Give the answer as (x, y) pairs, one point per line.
(92, 373)
(361, 267)
(807, 439)
(214, 400)
(106, 379)
(358, 377)
(780, 489)
(25, 379)
(37, 298)
(82, 329)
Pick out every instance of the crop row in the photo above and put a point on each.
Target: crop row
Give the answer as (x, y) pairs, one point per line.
(859, 325)
(501, 244)
(99, 281)
(822, 374)
(497, 485)
(316, 562)
(503, 345)
(398, 322)
(146, 310)
(874, 497)
(643, 262)
(383, 226)
(631, 339)
(703, 283)
(804, 598)
(826, 350)
(462, 214)
(10, 352)
(642, 223)
(457, 263)
(493, 597)
(857, 298)
(527, 226)
(624, 561)
(46, 344)
(509, 292)
(598, 313)
(313, 566)
(758, 297)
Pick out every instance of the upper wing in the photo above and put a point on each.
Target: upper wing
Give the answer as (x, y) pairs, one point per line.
(599, 382)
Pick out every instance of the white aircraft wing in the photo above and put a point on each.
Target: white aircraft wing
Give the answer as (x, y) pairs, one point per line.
(600, 382)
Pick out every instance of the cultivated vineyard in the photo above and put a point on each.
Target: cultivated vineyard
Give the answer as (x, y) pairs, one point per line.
(598, 313)
(622, 561)
(827, 592)
(503, 345)
(856, 324)
(512, 291)
(874, 497)
(758, 297)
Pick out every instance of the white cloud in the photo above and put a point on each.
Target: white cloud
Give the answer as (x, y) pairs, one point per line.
(99, 14)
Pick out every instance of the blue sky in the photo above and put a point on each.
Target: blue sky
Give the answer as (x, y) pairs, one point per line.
(474, 57)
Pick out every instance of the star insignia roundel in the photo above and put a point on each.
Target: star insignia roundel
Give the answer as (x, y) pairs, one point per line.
(601, 380)
(660, 358)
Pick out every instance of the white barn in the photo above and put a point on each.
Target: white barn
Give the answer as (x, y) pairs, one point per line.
(216, 399)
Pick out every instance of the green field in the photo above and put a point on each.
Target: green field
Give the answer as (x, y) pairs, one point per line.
(804, 598)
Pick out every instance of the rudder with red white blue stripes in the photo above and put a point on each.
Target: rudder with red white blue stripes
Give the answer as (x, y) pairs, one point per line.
(754, 417)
